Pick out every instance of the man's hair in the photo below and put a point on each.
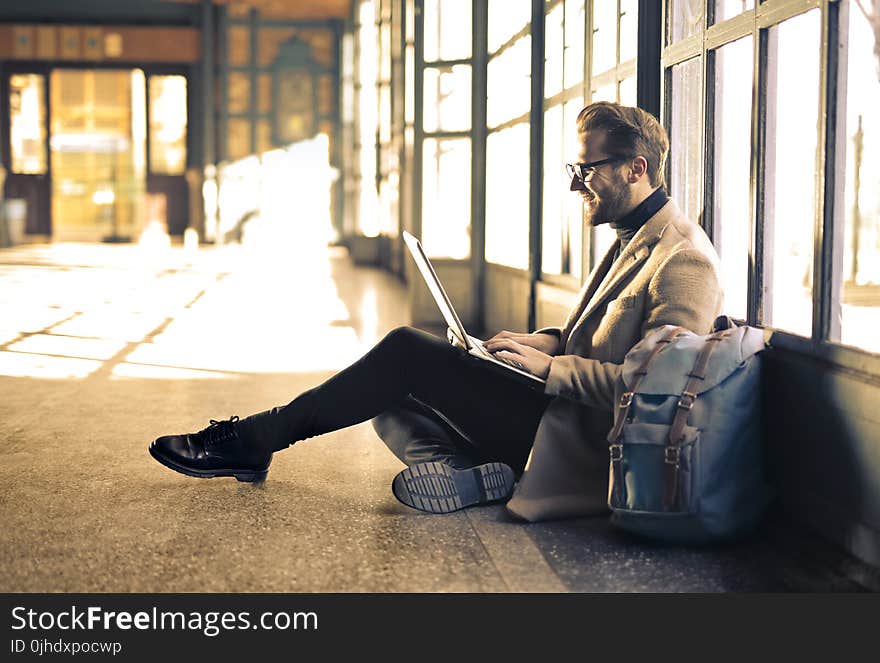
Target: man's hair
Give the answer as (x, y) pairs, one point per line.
(629, 131)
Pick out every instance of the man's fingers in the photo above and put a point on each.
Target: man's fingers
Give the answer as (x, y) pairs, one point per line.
(502, 335)
(513, 358)
(502, 344)
(526, 340)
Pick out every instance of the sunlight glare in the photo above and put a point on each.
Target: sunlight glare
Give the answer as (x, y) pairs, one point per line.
(23, 365)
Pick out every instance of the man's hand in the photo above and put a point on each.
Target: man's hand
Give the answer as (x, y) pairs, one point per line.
(546, 343)
(531, 359)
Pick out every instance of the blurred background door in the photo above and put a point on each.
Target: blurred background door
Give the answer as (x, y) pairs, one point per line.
(98, 154)
(26, 152)
(166, 180)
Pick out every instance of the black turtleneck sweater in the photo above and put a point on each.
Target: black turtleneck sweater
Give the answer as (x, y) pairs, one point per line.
(629, 225)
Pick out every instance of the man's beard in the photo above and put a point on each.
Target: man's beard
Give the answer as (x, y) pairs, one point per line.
(611, 205)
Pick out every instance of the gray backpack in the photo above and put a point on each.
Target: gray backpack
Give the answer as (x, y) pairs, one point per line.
(686, 445)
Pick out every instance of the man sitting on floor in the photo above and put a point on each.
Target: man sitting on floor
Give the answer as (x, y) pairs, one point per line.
(465, 432)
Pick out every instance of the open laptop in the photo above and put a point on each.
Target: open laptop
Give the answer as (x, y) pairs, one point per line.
(474, 346)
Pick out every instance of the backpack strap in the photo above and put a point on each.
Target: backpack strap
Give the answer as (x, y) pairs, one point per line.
(615, 448)
(685, 404)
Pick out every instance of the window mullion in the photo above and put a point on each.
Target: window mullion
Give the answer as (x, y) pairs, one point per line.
(831, 160)
(536, 126)
(710, 74)
(758, 183)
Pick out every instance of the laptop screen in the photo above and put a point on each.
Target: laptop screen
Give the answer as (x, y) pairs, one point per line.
(436, 288)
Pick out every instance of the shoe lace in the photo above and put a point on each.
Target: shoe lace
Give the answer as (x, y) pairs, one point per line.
(218, 431)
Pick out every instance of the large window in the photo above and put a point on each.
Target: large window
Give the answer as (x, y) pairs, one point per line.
(507, 147)
(389, 154)
(507, 196)
(684, 125)
(407, 158)
(446, 122)
(732, 158)
(368, 118)
(751, 89)
(790, 193)
(860, 250)
(614, 46)
(564, 65)
(348, 116)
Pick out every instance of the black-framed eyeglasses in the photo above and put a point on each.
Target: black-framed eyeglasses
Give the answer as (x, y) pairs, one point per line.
(584, 171)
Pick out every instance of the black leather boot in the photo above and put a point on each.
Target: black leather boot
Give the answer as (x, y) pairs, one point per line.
(215, 451)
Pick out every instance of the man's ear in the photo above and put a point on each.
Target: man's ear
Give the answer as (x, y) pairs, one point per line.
(638, 168)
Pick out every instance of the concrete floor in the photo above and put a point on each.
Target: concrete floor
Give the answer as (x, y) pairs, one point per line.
(103, 348)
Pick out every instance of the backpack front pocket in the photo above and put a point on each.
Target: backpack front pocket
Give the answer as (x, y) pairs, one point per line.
(643, 468)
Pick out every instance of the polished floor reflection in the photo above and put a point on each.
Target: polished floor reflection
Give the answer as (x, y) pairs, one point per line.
(103, 348)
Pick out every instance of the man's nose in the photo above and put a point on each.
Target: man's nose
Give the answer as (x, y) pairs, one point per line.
(576, 184)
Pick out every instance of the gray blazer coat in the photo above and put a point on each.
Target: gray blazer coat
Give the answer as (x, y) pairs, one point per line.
(667, 275)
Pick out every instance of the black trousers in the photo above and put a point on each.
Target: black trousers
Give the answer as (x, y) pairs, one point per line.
(428, 400)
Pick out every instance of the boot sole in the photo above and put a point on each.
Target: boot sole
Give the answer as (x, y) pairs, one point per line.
(438, 488)
(246, 476)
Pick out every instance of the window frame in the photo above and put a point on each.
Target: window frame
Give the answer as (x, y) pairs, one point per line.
(389, 135)
(620, 72)
(421, 135)
(831, 154)
(526, 117)
(566, 278)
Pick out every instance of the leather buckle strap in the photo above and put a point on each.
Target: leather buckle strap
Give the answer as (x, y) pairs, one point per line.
(616, 452)
(627, 397)
(687, 400)
(685, 405)
(620, 417)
